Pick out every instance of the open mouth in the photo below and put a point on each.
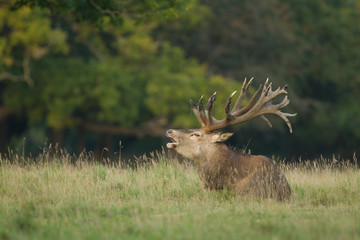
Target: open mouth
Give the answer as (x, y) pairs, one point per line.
(172, 144)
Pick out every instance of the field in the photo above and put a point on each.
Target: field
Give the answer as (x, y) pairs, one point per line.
(60, 197)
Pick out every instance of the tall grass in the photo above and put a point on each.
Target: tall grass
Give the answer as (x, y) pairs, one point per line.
(60, 196)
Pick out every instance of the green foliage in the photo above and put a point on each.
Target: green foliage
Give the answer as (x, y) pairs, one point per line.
(31, 34)
(236, 38)
(175, 81)
(141, 82)
(327, 56)
(96, 11)
(126, 62)
(124, 77)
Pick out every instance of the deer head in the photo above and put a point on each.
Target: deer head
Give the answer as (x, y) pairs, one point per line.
(197, 143)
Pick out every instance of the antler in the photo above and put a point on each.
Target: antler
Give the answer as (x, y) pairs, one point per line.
(258, 105)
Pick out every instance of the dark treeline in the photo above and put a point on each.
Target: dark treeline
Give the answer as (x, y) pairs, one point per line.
(91, 74)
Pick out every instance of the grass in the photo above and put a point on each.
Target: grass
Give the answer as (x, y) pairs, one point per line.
(58, 196)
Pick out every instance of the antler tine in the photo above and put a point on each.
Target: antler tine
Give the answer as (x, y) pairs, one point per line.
(284, 102)
(198, 112)
(273, 94)
(200, 104)
(200, 109)
(243, 93)
(284, 116)
(227, 106)
(208, 108)
(266, 120)
(248, 106)
(266, 89)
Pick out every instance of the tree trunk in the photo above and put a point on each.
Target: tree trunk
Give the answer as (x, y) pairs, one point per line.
(81, 140)
(57, 137)
(104, 147)
(4, 116)
(3, 135)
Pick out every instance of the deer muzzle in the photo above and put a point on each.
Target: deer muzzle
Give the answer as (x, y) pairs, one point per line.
(170, 134)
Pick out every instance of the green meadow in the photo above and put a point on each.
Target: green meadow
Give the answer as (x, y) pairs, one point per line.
(57, 196)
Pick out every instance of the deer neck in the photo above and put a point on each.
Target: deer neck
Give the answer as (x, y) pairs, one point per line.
(213, 154)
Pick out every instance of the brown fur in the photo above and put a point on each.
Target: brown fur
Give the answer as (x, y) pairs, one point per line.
(220, 167)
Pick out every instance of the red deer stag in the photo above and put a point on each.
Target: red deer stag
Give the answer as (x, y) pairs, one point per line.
(219, 166)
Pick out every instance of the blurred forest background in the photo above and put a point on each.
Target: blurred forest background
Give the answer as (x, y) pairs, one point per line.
(89, 74)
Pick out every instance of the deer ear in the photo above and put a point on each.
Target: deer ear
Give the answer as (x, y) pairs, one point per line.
(221, 136)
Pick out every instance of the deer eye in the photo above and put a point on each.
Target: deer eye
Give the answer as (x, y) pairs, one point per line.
(195, 134)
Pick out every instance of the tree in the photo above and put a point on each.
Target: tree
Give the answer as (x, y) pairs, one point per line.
(110, 79)
(326, 73)
(236, 38)
(26, 34)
